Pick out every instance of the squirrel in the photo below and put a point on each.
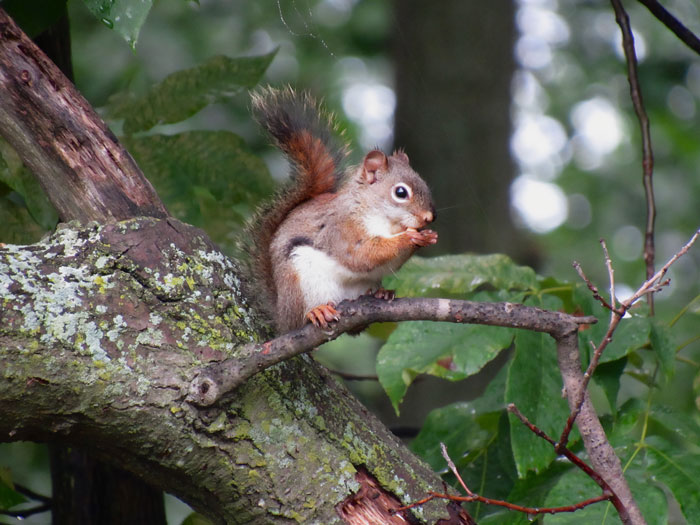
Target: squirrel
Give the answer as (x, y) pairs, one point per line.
(332, 233)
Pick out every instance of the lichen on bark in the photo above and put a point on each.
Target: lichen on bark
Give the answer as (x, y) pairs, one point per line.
(101, 331)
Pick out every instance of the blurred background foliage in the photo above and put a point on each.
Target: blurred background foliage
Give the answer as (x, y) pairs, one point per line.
(518, 114)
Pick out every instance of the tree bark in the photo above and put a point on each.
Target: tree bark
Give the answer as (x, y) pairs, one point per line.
(80, 164)
(101, 333)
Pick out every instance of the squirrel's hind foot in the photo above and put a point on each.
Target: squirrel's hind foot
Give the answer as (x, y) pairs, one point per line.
(322, 314)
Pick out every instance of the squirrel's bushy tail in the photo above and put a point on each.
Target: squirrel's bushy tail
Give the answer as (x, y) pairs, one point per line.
(306, 134)
(309, 138)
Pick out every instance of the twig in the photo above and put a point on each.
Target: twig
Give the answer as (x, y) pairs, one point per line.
(564, 451)
(216, 379)
(592, 287)
(683, 33)
(611, 276)
(453, 468)
(647, 154)
(25, 513)
(472, 497)
(21, 514)
(655, 280)
(25, 491)
(653, 283)
(533, 511)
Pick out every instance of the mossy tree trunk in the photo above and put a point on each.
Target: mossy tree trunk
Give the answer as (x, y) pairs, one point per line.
(102, 331)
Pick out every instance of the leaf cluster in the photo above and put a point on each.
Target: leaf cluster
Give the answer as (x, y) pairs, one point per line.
(496, 454)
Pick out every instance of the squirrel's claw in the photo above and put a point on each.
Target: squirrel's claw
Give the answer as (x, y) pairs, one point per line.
(422, 238)
(382, 293)
(322, 314)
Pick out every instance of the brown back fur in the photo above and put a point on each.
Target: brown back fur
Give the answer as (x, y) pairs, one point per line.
(309, 138)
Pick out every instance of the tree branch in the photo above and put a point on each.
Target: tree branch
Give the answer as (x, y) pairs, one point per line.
(683, 33)
(647, 154)
(218, 379)
(101, 332)
(79, 163)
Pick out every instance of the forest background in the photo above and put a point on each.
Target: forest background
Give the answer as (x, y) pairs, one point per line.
(518, 115)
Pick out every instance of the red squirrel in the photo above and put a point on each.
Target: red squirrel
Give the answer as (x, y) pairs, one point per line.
(331, 234)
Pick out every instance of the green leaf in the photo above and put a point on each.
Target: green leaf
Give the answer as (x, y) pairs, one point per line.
(678, 470)
(464, 427)
(447, 350)
(456, 275)
(675, 426)
(575, 486)
(16, 176)
(123, 16)
(460, 428)
(490, 472)
(534, 385)
(18, 227)
(629, 416)
(184, 93)
(607, 375)
(8, 496)
(663, 342)
(206, 178)
(632, 334)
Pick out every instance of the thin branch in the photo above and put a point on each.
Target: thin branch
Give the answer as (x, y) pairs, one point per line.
(611, 276)
(665, 17)
(25, 491)
(533, 511)
(653, 283)
(578, 462)
(453, 468)
(592, 287)
(217, 379)
(655, 280)
(22, 514)
(623, 21)
(472, 497)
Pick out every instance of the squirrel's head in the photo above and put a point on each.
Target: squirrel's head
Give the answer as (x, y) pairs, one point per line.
(398, 194)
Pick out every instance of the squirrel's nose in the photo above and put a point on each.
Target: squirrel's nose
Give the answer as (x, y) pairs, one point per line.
(429, 216)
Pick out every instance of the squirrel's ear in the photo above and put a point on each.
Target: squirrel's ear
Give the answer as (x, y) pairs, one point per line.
(400, 154)
(374, 161)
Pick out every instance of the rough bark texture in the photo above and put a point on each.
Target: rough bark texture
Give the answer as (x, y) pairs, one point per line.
(80, 164)
(101, 331)
(601, 454)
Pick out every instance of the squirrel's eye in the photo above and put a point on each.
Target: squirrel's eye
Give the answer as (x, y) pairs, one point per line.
(401, 192)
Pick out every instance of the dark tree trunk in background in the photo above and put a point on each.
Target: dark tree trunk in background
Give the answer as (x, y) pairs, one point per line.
(88, 491)
(454, 66)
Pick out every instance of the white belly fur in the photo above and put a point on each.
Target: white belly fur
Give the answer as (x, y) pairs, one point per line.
(323, 279)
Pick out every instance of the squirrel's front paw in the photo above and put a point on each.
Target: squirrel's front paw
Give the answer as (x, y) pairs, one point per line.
(382, 293)
(322, 314)
(422, 238)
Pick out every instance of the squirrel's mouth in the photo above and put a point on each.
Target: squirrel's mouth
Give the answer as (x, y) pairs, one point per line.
(416, 222)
